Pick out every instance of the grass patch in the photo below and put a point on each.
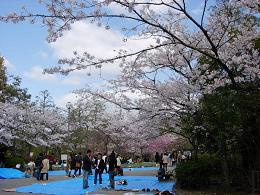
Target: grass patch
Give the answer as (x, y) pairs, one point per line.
(139, 165)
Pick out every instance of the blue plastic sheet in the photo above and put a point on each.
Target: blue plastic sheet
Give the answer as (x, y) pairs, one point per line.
(74, 186)
(62, 172)
(9, 173)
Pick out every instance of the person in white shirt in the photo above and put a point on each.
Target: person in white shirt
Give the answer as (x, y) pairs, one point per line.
(45, 168)
(104, 158)
(118, 165)
(165, 161)
(99, 165)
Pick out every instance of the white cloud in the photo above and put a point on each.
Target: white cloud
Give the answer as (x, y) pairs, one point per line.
(36, 73)
(62, 101)
(98, 42)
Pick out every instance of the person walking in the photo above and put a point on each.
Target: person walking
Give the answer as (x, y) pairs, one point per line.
(78, 164)
(45, 167)
(72, 164)
(87, 163)
(99, 166)
(112, 168)
(38, 166)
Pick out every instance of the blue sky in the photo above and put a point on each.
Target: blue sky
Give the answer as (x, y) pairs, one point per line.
(26, 52)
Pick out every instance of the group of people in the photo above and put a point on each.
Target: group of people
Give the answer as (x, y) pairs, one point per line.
(42, 166)
(166, 159)
(74, 163)
(111, 164)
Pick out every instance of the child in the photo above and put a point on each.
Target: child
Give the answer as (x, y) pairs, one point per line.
(28, 173)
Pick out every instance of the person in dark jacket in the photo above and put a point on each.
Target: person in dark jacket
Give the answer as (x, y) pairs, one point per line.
(161, 161)
(157, 158)
(2, 159)
(78, 164)
(38, 166)
(72, 164)
(105, 160)
(99, 166)
(87, 164)
(112, 169)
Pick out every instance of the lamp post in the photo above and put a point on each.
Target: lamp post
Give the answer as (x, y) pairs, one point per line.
(69, 106)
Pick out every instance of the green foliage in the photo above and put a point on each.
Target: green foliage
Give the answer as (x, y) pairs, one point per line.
(10, 87)
(139, 165)
(12, 161)
(197, 174)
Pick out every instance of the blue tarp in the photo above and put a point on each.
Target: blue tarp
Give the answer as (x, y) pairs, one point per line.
(142, 169)
(9, 173)
(62, 172)
(74, 186)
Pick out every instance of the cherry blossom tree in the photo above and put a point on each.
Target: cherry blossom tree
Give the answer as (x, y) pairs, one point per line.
(221, 35)
(198, 55)
(26, 123)
(160, 144)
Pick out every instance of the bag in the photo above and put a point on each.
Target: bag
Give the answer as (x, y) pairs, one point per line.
(41, 166)
(78, 165)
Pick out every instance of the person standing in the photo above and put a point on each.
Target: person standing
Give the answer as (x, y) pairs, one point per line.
(165, 161)
(38, 166)
(80, 161)
(99, 166)
(31, 166)
(170, 159)
(174, 158)
(104, 157)
(118, 165)
(161, 160)
(45, 168)
(112, 168)
(86, 168)
(2, 159)
(51, 158)
(157, 158)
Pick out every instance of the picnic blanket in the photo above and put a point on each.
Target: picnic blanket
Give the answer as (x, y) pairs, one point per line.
(10, 173)
(74, 186)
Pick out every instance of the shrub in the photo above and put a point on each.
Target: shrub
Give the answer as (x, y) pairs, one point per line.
(196, 174)
(11, 162)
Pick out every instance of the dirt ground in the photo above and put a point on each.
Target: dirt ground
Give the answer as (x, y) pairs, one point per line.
(14, 183)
